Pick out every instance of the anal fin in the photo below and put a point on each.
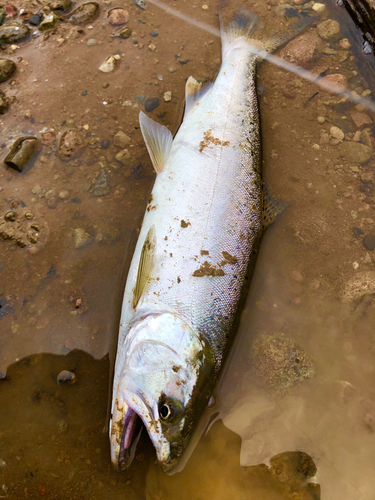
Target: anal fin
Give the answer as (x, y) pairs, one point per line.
(158, 141)
(146, 263)
(272, 207)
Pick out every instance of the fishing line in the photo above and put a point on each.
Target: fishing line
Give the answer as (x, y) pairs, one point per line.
(281, 63)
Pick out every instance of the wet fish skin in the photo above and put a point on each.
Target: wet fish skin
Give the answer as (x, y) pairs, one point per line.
(201, 228)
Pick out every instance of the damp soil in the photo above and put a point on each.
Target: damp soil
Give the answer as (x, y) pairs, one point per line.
(297, 392)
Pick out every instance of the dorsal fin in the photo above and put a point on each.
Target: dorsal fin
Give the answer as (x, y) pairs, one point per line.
(146, 263)
(158, 140)
(272, 207)
(194, 92)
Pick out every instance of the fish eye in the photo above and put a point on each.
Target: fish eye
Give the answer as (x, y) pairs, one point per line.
(166, 411)
(169, 411)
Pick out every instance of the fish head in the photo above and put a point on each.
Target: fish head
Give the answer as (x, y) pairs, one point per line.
(165, 382)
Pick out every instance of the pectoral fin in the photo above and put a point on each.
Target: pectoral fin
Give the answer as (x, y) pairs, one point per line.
(158, 141)
(272, 207)
(146, 263)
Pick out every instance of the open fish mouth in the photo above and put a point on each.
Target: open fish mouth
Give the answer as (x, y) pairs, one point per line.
(131, 433)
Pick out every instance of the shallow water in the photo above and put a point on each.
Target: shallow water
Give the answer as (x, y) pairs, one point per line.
(300, 377)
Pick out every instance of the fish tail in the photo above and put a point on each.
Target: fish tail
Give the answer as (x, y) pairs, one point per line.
(243, 24)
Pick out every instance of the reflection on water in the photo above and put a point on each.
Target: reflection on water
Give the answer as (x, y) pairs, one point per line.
(300, 376)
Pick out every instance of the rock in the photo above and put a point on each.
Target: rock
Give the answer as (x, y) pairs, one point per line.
(366, 139)
(11, 11)
(81, 238)
(141, 4)
(293, 468)
(369, 242)
(84, 13)
(321, 119)
(318, 7)
(60, 4)
(121, 140)
(154, 33)
(167, 96)
(52, 202)
(355, 152)
(66, 377)
(48, 137)
(7, 68)
(344, 44)
(337, 133)
(21, 152)
(71, 145)
(123, 156)
(92, 42)
(105, 144)
(307, 6)
(13, 32)
(280, 363)
(125, 32)
(329, 30)
(118, 16)
(151, 103)
(49, 22)
(303, 50)
(101, 187)
(64, 194)
(35, 19)
(10, 216)
(361, 284)
(108, 65)
(360, 119)
(172, 69)
(4, 105)
(335, 80)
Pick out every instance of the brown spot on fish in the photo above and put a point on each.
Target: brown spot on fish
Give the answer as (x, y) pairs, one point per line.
(178, 279)
(205, 252)
(176, 368)
(185, 224)
(210, 139)
(229, 259)
(207, 269)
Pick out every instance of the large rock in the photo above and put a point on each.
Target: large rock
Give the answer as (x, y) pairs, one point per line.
(13, 32)
(362, 283)
(329, 30)
(355, 152)
(302, 50)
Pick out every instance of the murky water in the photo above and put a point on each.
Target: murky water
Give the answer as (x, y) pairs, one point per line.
(299, 384)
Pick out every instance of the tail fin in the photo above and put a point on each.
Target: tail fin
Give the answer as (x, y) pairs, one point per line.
(243, 24)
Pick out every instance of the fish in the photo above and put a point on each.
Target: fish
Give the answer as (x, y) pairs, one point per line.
(196, 249)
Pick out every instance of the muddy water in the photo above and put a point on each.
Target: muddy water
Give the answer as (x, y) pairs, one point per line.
(295, 408)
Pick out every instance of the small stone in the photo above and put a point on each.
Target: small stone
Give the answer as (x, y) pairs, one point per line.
(64, 194)
(369, 242)
(360, 119)
(344, 44)
(141, 4)
(125, 32)
(81, 238)
(205, 6)
(361, 284)
(367, 259)
(172, 69)
(85, 13)
(335, 80)
(329, 30)
(123, 156)
(121, 140)
(105, 144)
(297, 276)
(357, 136)
(36, 189)
(35, 20)
(13, 32)
(321, 119)
(118, 16)
(52, 202)
(66, 377)
(183, 60)
(71, 145)
(49, 22)
(48, 137)
(92, 42)
(151, 103)
(355, 152)
(29, 215)
(7, 68)
(154, 33)
(108, 65)
(337, 133)
(167, 96)
(101, 187)
(307, 6)
(10, 216)
(367, 176)
(303, 50)
(318, 7)
(50, 194)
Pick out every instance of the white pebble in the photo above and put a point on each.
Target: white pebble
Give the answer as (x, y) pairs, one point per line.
(321, 119)
(319, 7)
(337, 133)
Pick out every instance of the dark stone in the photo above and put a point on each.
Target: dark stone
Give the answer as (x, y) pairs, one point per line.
(357, 232)
(154, 33)
(151, 103)
(369, 241)
(291, 12)
(35, 20)
(76, 200)
(105, 144)
(84, 93)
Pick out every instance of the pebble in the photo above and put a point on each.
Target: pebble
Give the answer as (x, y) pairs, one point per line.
(172, 69)
(335, 79)
(101, 187)
(361, 284)
(81, 238)
(92, 42)
(125, 32)
(329, 30)
(85, 13)
(118, 16)
(369, 242)
(318, 7)
(360, 119)
(321, 119)
(105, 144)
(66, 377)
(344, 44)
(141, 4)
(48, 137)
(10, 216)
(49, 22)
(52, 202)
(355, 152)
(302, 50)
(7, 68)
(121, 140)
(13, 32)
(35, 20)
(71, 144)
(151, 103)
(167, 96)
(154, 33)
(108, 65)
(337, 133)
(123, 156)
(64, 194)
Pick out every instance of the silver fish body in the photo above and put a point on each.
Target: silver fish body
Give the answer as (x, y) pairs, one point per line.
(200, 232)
